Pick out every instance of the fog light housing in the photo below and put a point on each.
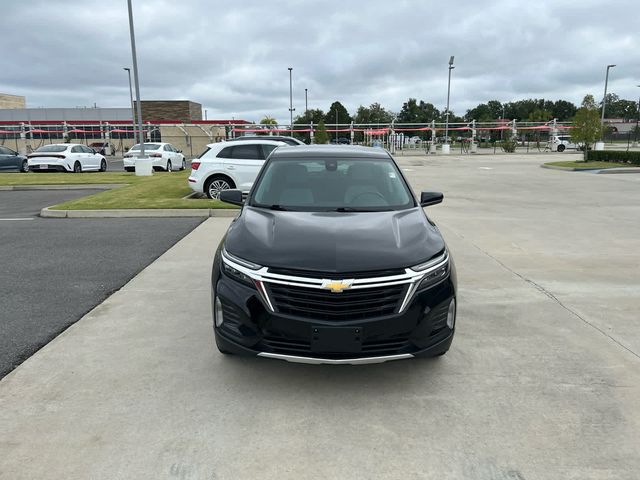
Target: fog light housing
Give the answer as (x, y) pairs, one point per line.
(451, 314)
(218, 312)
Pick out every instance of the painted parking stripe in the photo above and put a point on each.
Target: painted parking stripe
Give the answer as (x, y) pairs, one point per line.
(14, 219)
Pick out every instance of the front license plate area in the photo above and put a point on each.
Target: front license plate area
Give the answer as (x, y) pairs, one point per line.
(336, 339)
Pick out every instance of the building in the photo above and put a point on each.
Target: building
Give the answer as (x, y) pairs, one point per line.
(12, 101)
(174, 111)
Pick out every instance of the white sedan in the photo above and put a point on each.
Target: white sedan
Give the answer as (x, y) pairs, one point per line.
(163, 156)
(66, 157)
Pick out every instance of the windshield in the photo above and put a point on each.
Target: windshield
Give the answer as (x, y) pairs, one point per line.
(147, 146)
(331, 185)
(52, 148)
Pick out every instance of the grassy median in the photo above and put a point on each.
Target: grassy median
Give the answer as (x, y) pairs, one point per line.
(162, 190)
(588, 165)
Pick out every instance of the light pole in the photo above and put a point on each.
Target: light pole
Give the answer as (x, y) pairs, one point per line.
(142, 164)
(306, 104)
(445, 146)
(133, 110)
(637, 121)
(604, 102)
(336, 126)
(291, 109)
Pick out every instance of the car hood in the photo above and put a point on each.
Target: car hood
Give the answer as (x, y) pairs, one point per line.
(334, 241)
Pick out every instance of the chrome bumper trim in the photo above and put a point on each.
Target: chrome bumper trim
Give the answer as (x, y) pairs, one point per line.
(329, 361)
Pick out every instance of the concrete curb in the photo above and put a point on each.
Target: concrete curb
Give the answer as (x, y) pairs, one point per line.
(594, 170)
(47, 212)
(83, 186)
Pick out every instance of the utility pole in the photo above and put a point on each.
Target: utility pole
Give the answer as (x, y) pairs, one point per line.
(604, 101)
(133, 110)
(446, 128)
(291, 109)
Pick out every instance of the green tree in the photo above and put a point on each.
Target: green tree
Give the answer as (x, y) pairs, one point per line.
(267, 120)
(314, 115)
(374, 113)
(586, 124)
(321, 136)
(563, 110)
(414, 112)
(342, 114)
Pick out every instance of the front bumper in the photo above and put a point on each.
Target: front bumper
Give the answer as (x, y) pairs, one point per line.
(249, 327)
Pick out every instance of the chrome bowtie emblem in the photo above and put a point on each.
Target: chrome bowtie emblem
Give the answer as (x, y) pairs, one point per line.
(337, 286)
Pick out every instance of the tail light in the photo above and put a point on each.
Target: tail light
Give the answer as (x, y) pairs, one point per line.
(156, 155)
(195, 165)
(48, 156)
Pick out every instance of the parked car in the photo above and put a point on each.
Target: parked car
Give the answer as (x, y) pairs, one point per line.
(66, 157)
(340, 141)
(227, 165)
(104, 148)
(164, 156)
(333, 260)
(288, 140)
(12, 160)
(564, 142)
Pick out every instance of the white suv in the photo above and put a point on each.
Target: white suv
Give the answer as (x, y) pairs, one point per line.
(227, 165)
(563, 142)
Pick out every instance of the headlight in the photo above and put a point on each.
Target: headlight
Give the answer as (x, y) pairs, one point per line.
(435, 270)
(232, 265)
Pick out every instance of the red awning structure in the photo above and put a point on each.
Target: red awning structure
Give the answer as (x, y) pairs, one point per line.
(37, 130)
(417, 129)
(79, 130)
(9, 131)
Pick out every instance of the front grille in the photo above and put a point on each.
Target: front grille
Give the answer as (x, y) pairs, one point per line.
(322, 275)
(288, 346)
(356, 304)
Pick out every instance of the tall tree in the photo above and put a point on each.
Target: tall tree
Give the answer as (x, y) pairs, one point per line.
(267, 120)
(374, 113)
(342, 114)
(586, 124)
(321, 136)
(414, 112)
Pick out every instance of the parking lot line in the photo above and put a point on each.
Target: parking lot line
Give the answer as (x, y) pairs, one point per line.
(14, 219)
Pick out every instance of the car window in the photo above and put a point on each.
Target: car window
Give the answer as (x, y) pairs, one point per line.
(167, 148)
(5, 151)
(321, 184)
(87, 149)
(247, 152)
(52, 148)
(204, 154)
(76, 149)
(224, 153)
(147, 146)
(267, 149)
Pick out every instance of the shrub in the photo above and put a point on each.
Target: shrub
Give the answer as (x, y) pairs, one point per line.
(613, 156)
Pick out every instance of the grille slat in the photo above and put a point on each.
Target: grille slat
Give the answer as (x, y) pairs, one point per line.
(319, 304)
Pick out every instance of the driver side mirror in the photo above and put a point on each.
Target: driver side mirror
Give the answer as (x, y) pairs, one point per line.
(430, 198)
(233, 197)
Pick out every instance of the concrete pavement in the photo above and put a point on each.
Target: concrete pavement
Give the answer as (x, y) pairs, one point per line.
(542, 381)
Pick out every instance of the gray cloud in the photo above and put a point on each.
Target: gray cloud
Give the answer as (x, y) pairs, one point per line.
(233, 56)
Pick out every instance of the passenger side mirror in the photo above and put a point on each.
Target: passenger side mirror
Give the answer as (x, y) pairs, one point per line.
(233, 197)
(430, 198)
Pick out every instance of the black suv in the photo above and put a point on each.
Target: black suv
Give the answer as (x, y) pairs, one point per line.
(332, 260)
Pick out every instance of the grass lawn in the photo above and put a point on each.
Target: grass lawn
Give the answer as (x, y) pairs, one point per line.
(162, 190)
(588, 165)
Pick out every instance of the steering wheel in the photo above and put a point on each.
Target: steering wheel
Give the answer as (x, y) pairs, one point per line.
(377, 194)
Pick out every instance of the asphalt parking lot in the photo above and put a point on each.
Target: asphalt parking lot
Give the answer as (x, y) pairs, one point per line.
(54, 271)
(542, 381)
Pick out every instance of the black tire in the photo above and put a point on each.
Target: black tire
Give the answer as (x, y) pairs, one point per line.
(24, 168)
(184, 164)
(103, 165)
(561, 148)
(216, 184)
(77, 167)
(129, 169)
(169, 166)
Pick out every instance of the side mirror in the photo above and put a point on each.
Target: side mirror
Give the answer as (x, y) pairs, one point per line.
(179, 151)
(430, 198)
(233, 197)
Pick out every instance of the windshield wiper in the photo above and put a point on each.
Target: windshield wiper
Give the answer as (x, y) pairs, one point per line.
(357, 209)
(277, 207)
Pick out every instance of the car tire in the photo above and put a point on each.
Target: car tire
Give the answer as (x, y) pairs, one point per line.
(77, 167)
(561, 148)
(103, 165)
(216, 184)
(129, 169)
(169, 166)
(24, 168)
(184, 164)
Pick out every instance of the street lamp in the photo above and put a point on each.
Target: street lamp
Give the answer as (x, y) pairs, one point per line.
(142, 164)
(133, 111)
(306, 104)
(445, 146)
(637, 121)
(604, 101)
(291, 109)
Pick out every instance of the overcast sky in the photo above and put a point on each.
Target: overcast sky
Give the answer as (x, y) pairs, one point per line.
(232, 57)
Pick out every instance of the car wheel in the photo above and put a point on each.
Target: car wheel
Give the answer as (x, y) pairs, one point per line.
(77, 168)
(128, 169)
(169, 167)
(217, 184)
(561, 148)
(24, 168)
(184, 164)
(103, 165)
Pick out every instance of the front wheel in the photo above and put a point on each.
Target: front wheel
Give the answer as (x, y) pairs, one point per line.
(77, 168)
(216, 185)
(561, 148)
(169, 167)
(184, 164)
(24, 168)
(103, 165)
